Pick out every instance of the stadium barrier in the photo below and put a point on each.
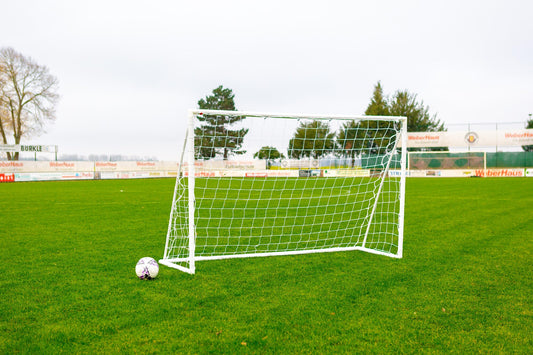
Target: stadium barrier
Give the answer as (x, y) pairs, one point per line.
(11, 171)
(83, 170)
(466, 173)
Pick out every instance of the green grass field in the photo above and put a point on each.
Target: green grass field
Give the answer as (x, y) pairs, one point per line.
(68, 284)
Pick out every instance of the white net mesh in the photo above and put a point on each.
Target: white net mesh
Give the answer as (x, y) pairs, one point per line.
(271, 185)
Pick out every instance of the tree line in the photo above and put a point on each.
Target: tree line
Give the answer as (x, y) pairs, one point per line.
(314, 138)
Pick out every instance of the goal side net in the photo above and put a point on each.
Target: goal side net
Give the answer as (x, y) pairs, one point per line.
(265, 184)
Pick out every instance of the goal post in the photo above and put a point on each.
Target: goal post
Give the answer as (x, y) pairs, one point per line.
(255, 184)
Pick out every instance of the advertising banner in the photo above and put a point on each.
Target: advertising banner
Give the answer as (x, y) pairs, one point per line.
(227, 165)
(50, 166)
(48, 176)
(45, 166)
(300, 164)
(22, 148)
(462, 139)
(347, 172)
(500, 173)
(130, 174)
(511, 138)
(7, 177)
(135, 166)
(11, 166)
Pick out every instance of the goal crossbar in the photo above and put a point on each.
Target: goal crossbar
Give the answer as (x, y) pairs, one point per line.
(296, 115)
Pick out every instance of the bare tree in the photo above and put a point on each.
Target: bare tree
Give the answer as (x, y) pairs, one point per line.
(4, 122)
(28, 95)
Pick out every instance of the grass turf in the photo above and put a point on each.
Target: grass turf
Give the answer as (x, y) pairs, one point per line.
(68, 285)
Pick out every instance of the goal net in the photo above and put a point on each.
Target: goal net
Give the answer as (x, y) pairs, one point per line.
(447, 160)
(263, 184)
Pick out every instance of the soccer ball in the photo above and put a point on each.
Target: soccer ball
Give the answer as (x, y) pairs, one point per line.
(147, 268)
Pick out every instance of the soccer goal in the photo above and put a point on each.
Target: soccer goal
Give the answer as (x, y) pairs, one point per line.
(263, 184)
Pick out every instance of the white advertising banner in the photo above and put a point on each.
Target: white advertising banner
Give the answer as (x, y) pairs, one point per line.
(501, 138)
(347, 173)
(515, 137)
(45, 166)
(49, 176)
(21, 148)
(11, 166)
(204, 165)
(130, 174)
(49, 166)
(244, 173)
(135, 166)
(67, 166)
(464, 173)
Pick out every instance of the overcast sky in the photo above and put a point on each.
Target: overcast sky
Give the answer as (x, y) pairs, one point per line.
(129, 70)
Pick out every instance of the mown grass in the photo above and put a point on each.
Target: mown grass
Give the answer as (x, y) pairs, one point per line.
(68, 285)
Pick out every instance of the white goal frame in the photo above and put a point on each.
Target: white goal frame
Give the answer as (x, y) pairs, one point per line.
(187, 170)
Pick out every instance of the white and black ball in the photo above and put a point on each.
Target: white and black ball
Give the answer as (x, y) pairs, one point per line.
(147, 268)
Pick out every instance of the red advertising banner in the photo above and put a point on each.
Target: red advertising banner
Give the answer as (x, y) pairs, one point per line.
(7, 177)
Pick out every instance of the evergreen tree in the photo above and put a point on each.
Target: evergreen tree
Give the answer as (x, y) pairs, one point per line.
(269, 154)
(373, 137)
(528, 148)
(214, 137)
(418, 117)
(312, 139)
(362, 137)
(379, 105)
(348, 140)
